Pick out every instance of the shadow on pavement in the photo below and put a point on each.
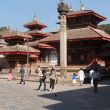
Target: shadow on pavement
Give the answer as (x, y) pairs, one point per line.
(80, 99)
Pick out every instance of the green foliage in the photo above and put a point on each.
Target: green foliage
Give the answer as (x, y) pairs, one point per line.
(106, 28)
(3, 28)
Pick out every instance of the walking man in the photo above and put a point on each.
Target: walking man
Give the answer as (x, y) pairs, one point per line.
(22, 71)
(96, 77)
(91, 76)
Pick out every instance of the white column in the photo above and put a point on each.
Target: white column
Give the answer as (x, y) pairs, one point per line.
(63, 45)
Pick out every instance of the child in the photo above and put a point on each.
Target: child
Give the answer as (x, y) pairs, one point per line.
(74, 78)
(10, 76)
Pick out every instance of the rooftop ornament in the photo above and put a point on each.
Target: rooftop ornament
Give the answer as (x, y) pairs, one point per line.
(63, 8)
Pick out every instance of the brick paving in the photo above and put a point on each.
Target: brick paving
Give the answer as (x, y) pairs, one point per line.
(14, 96)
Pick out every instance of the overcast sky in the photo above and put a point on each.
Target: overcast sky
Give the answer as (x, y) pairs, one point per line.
(15, 13)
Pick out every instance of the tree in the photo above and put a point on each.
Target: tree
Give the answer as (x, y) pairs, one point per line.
(3, 28)
(105, 27)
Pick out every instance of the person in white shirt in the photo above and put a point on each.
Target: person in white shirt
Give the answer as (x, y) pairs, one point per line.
(81, 76)
(96, 76)
(39, 69)
(91, 76)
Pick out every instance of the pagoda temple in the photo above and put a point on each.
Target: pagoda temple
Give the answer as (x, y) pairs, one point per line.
(86, 43)
(35, 28)
(15, 51)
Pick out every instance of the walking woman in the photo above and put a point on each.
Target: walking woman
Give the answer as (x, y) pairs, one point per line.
(42, 78)
(52, 78)
(96, 78)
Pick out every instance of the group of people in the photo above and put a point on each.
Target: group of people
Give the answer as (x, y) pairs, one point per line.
(94, 75)
(41, 75)
(79, 76)
(21, 72)
(42, 78)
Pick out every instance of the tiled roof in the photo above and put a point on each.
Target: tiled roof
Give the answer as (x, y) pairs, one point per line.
(79, 34)
(82, 12)
(40, 45)
(37, 32)
(14, 34)
(35, 23)
(78, 12)
(18, 48)
(102, 33)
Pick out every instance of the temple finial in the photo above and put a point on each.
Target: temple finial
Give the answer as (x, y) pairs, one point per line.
(61, 1)
(71, 9)
(82, 6)
(34, 18)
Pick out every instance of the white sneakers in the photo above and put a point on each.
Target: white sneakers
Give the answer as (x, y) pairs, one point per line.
(51, 89)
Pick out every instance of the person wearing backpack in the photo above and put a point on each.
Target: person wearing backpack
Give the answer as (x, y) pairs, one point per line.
(42, 78)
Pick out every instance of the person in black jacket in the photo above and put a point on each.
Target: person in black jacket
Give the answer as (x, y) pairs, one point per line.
(52, 78)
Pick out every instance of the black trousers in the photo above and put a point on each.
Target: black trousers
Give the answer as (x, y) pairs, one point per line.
(22, 80)
(52, 83)
(42, 81)
(95, 83)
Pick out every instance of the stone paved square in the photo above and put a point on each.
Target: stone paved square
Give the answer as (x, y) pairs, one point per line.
(14, 96)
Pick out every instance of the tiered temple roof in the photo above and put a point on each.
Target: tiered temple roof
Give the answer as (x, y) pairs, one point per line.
(40, 45)
(35, 28)
(11, 34)
(76, 19)
(13, 39)
(18, 49)
(72, 14)
(37, 33)
(35, 23)
(79, 34)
